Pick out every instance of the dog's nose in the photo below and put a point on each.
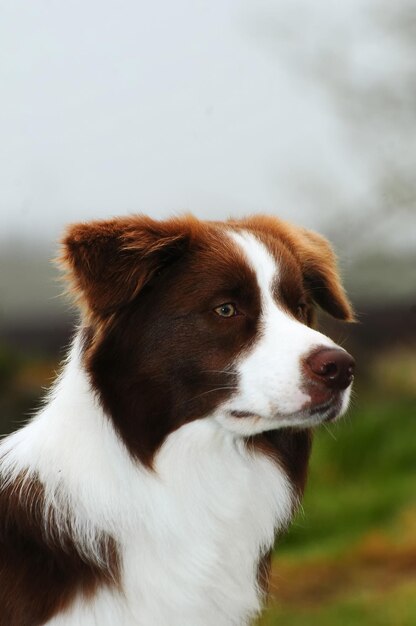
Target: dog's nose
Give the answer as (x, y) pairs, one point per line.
(332, 367)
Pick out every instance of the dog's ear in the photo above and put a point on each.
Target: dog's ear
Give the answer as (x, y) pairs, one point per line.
(108, 262)
(317, 260)
(322, 277)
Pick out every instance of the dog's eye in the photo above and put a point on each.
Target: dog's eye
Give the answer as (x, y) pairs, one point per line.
(226, 310)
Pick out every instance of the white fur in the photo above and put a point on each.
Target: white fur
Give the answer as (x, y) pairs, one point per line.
(190, 534)
(270, 375)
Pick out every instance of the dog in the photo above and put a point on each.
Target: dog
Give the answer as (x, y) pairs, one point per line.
(174, 444)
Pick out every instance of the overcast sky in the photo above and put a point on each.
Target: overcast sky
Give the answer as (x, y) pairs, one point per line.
(111, 107)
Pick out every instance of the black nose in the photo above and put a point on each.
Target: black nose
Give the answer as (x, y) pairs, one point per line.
(332, 367)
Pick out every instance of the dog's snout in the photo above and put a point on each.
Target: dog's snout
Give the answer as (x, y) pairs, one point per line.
(332, 367)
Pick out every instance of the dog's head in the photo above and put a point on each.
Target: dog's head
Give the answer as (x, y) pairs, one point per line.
(187, 319)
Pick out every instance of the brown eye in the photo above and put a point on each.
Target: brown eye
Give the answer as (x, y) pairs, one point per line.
(226, 310)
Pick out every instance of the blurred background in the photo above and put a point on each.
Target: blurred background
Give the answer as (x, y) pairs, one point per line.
(305, 110)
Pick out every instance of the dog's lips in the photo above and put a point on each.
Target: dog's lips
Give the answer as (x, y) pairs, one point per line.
(328, 411)
(315, 409)
(243, 414)
(318, 413)
(333, 403)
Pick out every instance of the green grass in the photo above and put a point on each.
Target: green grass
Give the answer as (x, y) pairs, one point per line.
(350, 556)
(361, 476)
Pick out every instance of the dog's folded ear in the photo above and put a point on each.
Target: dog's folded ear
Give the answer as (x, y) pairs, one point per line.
(317, 260)
(108, 262)
(322, 277)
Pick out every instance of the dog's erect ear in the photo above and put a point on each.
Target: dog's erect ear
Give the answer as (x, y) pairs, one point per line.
(108, 262)
(317, 259)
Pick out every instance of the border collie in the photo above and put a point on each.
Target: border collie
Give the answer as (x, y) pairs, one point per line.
(174, 444)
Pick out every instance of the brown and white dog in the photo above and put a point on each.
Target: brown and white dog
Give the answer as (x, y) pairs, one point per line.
(175, 442)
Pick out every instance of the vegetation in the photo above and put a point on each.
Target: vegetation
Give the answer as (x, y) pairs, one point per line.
(350, 556)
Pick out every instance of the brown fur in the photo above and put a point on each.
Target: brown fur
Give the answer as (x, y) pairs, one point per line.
(40, 576)
(263, 572)
(181, 347)
(107, 262)
(315, 256)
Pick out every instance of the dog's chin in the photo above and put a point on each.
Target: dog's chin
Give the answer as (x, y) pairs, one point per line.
(248, 423)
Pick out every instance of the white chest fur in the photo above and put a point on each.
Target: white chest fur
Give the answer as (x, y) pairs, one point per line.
(215, 510)
(198, 527)
(190, 533)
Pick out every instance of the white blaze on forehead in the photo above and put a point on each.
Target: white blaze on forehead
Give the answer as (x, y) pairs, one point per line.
(260, 260)
(270, 375)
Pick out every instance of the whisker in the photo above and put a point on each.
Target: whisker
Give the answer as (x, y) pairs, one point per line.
(233, 387)
(342, 340)
(329, 431)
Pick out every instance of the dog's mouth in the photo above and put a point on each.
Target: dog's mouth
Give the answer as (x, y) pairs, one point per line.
(327, 411)
(308, 415)
(243, 414)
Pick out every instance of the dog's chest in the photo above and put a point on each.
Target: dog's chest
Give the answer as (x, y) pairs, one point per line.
(209, 517)
(202, 521)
